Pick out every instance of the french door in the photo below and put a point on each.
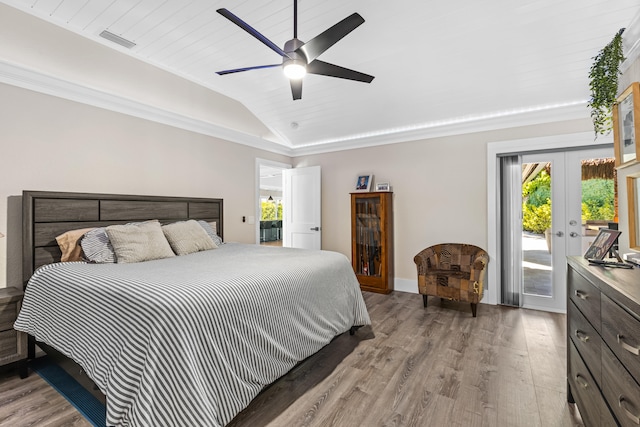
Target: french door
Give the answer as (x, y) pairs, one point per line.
(543, 255)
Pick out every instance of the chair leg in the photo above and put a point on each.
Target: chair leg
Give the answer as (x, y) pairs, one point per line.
(474, 308)
(424, 300)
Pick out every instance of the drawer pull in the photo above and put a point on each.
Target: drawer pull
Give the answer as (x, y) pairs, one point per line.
(582, 336)
(623, 404)
(581, 294)
(629, 348)
(581, 381)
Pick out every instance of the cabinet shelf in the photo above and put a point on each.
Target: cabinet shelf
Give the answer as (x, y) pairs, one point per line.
(372, 240)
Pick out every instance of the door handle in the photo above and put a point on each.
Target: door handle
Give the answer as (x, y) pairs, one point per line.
(559, 234)
(315, 229)
(573, 234)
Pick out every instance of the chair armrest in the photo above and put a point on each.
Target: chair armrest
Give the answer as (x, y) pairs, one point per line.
(481, 260)
(422, 261)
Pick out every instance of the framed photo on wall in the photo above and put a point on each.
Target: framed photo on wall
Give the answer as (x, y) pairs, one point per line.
(626, 126)
(363, 183)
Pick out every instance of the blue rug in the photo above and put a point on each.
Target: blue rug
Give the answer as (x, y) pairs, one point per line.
(90, 407)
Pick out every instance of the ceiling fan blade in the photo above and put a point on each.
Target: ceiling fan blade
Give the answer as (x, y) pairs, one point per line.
(331, 70)
(239, 70)
(314, 47)
(249, 29)
(296, 89)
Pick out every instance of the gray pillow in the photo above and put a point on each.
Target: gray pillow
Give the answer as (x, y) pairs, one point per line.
(96, 246)
(209, 227)
(139, 242)
(186, 237)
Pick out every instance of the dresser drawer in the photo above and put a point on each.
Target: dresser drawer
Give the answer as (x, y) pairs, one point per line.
(585, 391)
(8, 314)
(586, 340)
(621, 331)
(585, 296)
(620, 390)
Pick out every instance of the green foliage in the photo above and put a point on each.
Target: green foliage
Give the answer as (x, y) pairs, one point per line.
(537, 192)
(597, 202)
(597, 199)
(536, 218)
(603, 82)
(268, 211)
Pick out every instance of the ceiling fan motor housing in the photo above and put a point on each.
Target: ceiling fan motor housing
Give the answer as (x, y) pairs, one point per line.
(290, 48)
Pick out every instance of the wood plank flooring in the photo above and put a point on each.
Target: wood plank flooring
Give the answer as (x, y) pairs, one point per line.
(413, 367)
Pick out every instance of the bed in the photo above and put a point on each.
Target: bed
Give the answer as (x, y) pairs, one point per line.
(184, 340)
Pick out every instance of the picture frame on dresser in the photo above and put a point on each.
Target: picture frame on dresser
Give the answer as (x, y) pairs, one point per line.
(626, 126)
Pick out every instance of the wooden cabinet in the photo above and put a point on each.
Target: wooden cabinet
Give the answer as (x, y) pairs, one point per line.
(13, 344)
(372, 240)
(603, 343)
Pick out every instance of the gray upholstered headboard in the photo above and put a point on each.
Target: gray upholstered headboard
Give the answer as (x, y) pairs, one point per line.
(47, 214)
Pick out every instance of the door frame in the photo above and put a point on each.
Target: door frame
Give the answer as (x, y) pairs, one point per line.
(521, 146)
(256, 196)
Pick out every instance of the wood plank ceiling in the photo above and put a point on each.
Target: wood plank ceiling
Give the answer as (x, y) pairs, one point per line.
(435, 63)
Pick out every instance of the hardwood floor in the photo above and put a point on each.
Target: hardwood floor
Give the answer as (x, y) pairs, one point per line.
(413, 367)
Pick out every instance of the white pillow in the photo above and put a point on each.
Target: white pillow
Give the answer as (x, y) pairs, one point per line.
(139, 242)
(186, 237)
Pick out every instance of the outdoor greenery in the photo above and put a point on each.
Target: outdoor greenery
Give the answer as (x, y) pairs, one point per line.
(269, 211)
(597, 202)
(603, 82)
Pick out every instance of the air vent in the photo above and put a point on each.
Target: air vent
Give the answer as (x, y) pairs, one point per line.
(117, 39)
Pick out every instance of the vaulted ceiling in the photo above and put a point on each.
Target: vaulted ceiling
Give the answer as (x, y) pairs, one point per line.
(439, 65)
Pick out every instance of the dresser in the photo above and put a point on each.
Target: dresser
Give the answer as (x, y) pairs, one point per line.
(13, 344)
(603, 343)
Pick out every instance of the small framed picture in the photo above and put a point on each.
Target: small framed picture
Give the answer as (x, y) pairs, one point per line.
(383, 186)
(363, 183)
(601, 245)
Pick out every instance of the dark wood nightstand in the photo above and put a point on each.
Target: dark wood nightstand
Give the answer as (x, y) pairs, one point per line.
(13, 344)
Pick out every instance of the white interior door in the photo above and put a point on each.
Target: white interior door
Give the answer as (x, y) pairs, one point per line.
(302, 199)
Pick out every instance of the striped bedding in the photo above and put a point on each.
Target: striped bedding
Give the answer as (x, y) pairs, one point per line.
(191, 340)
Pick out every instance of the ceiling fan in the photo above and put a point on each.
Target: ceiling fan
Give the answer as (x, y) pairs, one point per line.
(298, 57)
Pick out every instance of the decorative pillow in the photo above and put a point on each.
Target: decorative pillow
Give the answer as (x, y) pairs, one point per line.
(210, 228)
(69, 244)
(186, 237)
(96, 246)
(138, 242)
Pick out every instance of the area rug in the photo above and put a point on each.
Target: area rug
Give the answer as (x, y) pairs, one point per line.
(90, 407)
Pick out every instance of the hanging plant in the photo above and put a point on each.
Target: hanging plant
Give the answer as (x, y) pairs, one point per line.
(603, 82)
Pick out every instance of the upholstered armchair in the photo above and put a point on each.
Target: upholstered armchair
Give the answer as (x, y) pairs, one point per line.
(454, 271)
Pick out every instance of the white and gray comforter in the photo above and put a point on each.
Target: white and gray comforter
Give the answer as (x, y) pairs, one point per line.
(191, 340)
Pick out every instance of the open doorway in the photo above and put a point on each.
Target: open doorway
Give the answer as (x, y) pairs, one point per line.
(270, 207)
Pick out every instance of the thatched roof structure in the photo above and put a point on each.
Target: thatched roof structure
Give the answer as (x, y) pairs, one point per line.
(598, 168)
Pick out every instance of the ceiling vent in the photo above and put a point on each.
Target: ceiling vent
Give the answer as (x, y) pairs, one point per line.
(117, 39)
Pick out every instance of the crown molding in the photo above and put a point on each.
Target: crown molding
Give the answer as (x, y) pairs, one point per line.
(20, 76)
(463, 125)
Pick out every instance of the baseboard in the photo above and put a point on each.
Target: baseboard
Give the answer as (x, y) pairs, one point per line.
(406, 285)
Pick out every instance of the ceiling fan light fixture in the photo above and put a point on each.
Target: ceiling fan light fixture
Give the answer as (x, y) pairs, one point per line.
(295, 69)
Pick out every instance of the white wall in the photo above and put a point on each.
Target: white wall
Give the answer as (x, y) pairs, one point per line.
(439, 185)
(51, 144)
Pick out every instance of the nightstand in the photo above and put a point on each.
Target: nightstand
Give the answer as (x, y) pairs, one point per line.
(13, 344)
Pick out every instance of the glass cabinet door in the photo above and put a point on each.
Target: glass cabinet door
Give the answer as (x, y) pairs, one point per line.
(368, 249)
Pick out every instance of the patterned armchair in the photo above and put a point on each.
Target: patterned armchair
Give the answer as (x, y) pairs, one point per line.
(452, 270)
